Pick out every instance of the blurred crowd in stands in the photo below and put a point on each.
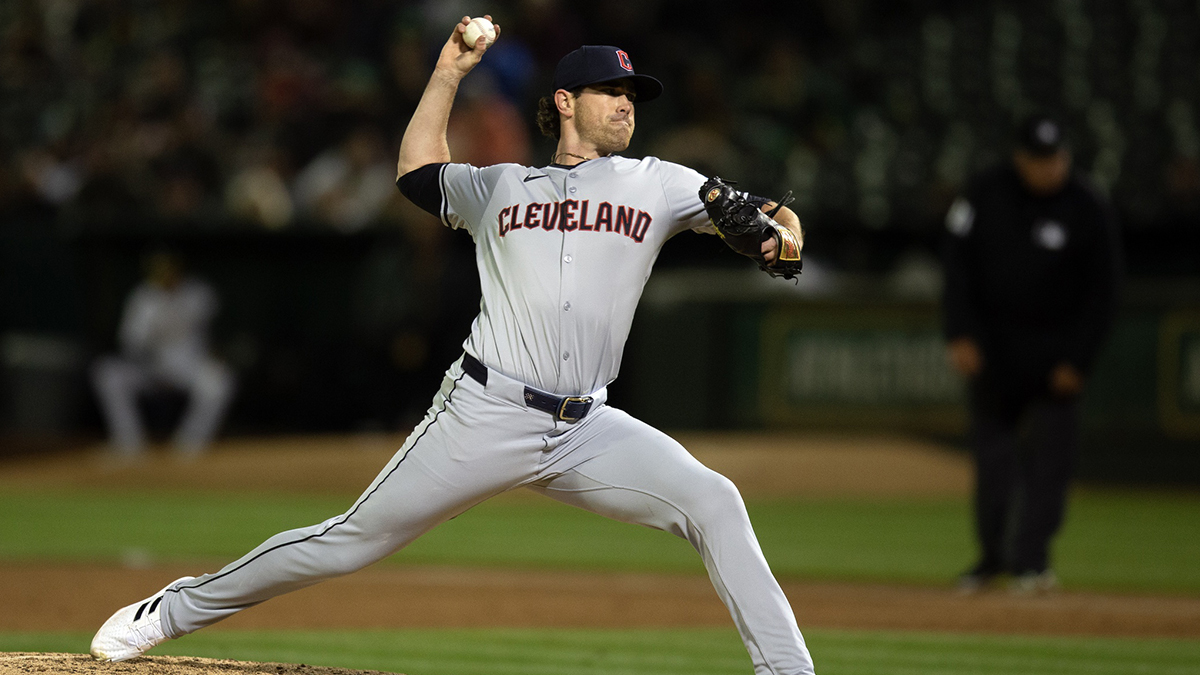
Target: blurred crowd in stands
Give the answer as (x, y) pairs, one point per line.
(123, 122)
(207, 113)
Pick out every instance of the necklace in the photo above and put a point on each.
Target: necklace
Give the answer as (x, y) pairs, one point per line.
(569, 154)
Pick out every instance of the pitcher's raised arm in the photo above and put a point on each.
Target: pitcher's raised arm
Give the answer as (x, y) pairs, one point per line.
(424, 139)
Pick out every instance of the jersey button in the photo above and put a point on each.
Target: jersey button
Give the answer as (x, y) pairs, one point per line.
(566, 356)
(567, 258)
(567, 307)
(571, 189)
(573, 175)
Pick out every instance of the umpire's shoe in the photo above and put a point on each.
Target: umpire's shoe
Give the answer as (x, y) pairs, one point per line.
(1034, 583)
(132, 630)
(978, 579)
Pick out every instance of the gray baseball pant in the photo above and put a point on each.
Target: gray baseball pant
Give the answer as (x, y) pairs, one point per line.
(477, 442)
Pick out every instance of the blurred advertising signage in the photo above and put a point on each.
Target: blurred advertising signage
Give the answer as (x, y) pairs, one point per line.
(1179, 374)
(883, 366)
(868, 367)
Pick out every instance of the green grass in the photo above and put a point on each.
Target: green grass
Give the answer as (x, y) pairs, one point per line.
(1113, 540)
(84, 525)
(665, 652)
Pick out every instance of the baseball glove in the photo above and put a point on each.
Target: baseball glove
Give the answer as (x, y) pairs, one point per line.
(744, 227)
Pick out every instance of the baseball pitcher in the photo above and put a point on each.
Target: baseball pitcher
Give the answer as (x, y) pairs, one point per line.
(564, 251)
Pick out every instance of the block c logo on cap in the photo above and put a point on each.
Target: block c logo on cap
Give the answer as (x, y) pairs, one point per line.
(623, 59)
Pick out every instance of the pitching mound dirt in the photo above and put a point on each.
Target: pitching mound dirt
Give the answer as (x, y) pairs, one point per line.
(24, 663)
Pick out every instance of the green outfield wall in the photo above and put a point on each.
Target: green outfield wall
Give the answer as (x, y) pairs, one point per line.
(340, 333)
(874, 362)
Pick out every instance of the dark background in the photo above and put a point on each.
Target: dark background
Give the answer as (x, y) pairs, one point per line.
(129, 124)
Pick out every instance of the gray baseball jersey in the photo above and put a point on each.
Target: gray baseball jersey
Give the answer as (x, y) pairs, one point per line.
(563, 255)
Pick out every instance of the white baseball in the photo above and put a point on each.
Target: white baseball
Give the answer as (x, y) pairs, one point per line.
(478, 27)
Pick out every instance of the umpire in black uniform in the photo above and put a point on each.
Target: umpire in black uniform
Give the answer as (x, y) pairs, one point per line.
(1032, 265)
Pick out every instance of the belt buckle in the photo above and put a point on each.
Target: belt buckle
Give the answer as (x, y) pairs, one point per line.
(562, 407)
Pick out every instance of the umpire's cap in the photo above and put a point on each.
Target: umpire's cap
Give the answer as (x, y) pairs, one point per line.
(592, 64)
(1041, 135)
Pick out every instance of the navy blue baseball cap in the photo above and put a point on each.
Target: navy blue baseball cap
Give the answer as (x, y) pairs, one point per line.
(593, 64)
(1041, 135)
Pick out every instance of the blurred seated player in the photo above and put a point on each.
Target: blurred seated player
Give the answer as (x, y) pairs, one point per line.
(163, 338)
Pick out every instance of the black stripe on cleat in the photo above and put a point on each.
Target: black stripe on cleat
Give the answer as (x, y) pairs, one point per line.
(140, 610)
(154, 605)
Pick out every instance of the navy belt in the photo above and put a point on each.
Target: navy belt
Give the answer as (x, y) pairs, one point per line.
(565, 408)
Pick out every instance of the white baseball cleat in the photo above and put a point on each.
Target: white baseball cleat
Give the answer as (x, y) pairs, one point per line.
(132, 630)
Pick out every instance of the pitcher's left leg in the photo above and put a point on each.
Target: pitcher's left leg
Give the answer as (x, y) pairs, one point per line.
(622, 468)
